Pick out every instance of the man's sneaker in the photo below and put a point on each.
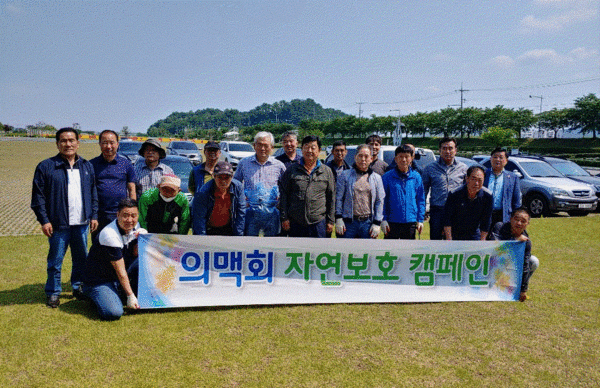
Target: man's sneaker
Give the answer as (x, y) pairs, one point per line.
(52, 301)
(79, 295)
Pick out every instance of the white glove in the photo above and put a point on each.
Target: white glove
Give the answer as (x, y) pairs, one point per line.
(375, 229)
(385, 227)
(340, 227)
(132, 302)
(419, 227)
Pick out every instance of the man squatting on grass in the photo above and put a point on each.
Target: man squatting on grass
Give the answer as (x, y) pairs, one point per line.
(111, 271)
(65, 202)
(515, 229)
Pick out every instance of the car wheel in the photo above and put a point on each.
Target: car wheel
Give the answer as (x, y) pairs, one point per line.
(578, 213)
(537, 206)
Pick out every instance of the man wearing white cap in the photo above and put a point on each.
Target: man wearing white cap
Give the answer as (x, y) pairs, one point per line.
(165, 209)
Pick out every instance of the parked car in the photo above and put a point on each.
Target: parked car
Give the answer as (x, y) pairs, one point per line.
(187, 149)
(545, 190)
(129, 149)
(182, 167)
(467, 161)
(480, 158)
(574, 171)
(234, 151)
(423, 156)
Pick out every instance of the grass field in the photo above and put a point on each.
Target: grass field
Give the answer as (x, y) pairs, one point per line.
(549, 341)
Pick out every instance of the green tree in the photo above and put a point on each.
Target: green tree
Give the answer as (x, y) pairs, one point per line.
(585, 116)
(554, 120)
(499, 137)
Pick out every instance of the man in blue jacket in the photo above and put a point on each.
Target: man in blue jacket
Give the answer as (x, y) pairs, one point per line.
(219, 207)
(65, 202)
(404, 203)
(504, 185)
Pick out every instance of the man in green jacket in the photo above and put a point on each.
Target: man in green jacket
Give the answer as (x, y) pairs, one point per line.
(308, 194)
(165, 209)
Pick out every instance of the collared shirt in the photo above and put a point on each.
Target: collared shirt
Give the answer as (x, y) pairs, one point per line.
(496, 184)
(442, 179)
(335, 169)
(260, 180)
(111, 182)
(283, 158)
(74, 196)
(148, 178)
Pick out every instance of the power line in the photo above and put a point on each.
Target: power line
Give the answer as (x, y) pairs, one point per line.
(549, 85)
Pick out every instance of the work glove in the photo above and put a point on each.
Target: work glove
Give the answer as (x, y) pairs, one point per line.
(340, 227)
(375, 229)
(385, 227)
(132, 302)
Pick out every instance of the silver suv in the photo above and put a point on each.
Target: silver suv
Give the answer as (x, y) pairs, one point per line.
(546, 191)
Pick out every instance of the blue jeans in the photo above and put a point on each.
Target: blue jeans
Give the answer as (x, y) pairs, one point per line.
(76, 238)
(257, 219)
(106, 297)
(357, 229)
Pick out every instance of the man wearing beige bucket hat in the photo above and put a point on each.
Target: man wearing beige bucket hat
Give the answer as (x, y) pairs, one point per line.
(149, 169)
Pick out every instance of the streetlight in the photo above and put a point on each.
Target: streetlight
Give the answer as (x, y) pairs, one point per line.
(541, 100)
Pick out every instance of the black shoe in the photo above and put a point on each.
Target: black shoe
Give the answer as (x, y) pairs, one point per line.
(79, 295)
(52, 301)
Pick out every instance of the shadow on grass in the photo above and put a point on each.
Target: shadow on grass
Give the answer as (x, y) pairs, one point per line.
(34, 294)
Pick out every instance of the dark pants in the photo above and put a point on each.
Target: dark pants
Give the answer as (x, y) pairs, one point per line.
(402, 231)
(436, 227)
(315, 230)
(220, 231)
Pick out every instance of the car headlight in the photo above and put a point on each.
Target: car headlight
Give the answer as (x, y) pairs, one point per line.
(560, 192)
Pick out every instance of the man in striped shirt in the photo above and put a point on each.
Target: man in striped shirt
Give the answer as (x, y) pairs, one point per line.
(150, 170)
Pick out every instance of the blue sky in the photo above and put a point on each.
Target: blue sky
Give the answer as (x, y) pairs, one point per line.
(106, 64)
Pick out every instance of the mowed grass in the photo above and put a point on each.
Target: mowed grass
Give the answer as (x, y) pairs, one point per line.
(550, 340)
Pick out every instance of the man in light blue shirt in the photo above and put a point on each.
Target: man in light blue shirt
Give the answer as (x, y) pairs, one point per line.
(260, 174)
(442, 177)
(504, 185)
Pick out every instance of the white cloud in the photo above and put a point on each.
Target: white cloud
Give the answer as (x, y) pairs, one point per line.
(582, 53)
(503, 62)
(568, 12)
(544, 55)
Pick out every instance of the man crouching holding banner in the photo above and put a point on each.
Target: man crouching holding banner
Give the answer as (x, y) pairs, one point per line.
(111, 271)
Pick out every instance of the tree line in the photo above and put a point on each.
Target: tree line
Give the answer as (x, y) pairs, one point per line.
(309, 117)
(583, 118)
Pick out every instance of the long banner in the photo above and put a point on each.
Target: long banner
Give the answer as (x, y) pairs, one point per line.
(186, 271)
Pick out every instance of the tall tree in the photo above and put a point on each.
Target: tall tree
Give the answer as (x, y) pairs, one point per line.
(554, 120)
(585, 116)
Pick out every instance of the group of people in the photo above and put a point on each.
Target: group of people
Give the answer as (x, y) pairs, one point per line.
(289, 195)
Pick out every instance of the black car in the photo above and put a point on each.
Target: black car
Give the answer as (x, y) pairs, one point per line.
(129, 149)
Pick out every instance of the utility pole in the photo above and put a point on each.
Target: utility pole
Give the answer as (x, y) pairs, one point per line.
(539, 122)
(461, 90)
(360, 109)
(398, 133)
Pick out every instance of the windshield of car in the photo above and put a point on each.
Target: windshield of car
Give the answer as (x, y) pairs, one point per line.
(181, 168)
(243, 147)
(184, 146)
(540, 170)
(569, 168)
(129, 147)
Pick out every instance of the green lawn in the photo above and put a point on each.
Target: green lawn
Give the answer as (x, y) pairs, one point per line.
(550, 340)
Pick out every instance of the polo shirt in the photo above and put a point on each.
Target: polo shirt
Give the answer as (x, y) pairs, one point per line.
(111, 182)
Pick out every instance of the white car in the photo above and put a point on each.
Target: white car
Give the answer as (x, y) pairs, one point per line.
(234, 151)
